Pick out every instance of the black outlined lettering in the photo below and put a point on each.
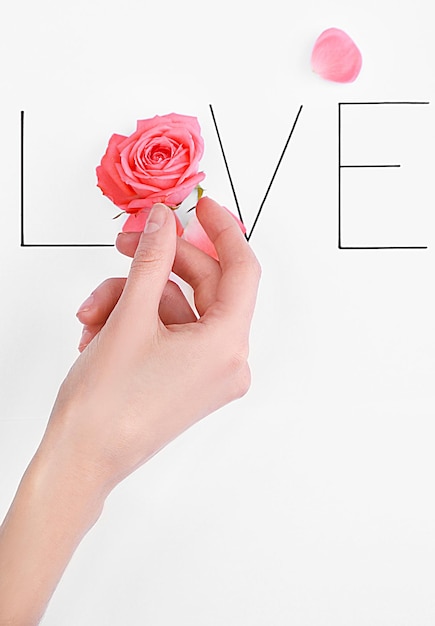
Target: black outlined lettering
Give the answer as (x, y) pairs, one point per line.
(342, 166)
(249, 235)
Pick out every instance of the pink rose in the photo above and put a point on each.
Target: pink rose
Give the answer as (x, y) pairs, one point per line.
(157, 163)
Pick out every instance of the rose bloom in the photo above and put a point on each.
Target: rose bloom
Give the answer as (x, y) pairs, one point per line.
(157, 163)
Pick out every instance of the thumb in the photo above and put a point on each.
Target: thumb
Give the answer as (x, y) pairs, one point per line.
(150, 269)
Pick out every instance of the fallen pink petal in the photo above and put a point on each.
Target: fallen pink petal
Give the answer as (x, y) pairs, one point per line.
(336, 57)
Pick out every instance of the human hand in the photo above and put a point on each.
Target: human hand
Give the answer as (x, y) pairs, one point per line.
(173, 309)
(153, 368)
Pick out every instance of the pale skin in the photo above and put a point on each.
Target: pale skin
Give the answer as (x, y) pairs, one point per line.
(129, 392)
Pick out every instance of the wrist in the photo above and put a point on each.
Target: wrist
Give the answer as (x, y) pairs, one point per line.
(56, 504)
(60, 466)
(60, 478)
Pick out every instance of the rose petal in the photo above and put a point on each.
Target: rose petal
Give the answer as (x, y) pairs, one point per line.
(239, 222)
(196, 235)
(181, 191)
(336, 57)
(135, 223)
(107, 176)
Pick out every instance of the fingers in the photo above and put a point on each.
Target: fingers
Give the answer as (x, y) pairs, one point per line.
(200, 271)
(237, 289)
(94, 312)
(88, 333)
(138, 306)
(174, 308)
(127, 243)
(195, 267)
(97, 308)
(232, 283)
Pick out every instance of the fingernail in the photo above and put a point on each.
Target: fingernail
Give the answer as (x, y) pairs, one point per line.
(156, 219)
(128, 233)
(87, 304)
(85, 339)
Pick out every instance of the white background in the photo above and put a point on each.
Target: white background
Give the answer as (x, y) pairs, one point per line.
(310, 501)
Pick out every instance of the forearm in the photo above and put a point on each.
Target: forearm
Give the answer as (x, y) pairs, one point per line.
(153, 370)
(54, 507)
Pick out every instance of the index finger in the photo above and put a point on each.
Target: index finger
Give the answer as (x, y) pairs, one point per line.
(194, 266)
(237, 290)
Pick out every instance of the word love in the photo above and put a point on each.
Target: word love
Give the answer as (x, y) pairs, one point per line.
(367, 213)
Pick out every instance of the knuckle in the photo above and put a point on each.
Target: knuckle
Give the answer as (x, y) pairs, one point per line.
(242, 381)
(253, 266)
(146, 260)
(256, 268)
(106, 284)
(239, 372)
(250, 265)
(110, 287)
(222, 234)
